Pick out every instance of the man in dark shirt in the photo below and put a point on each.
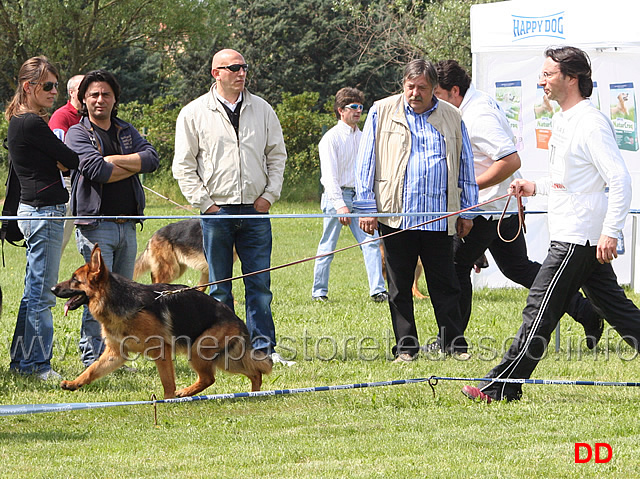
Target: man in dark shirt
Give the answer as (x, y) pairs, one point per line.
(106, 184)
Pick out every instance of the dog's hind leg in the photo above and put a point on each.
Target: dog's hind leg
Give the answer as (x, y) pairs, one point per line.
(109, 361)
(203, 356)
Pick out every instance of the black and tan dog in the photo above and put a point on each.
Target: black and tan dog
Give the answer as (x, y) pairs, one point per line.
(137, 319)
(171, 250)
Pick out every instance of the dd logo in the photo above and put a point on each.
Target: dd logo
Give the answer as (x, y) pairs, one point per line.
(584, 452)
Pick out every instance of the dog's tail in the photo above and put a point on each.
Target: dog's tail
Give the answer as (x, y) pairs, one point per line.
(142, 264)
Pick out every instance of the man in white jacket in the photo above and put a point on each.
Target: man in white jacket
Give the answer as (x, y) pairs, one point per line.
(583, 223)
(229, 160)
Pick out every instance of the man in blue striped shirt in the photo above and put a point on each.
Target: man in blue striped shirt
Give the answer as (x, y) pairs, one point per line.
(415, 157)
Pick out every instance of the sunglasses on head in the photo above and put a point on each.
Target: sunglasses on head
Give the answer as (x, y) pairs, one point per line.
(46, 86)
(355, 106)
(235, 67)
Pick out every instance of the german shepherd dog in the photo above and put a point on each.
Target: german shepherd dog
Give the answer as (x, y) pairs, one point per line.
(136, 318)
(171, 250)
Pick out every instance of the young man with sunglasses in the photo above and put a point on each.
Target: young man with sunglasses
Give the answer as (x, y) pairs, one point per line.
(112, 153)
(338, 150)
(229, 160)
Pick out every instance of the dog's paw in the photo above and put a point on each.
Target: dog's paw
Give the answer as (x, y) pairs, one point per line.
(68, 385)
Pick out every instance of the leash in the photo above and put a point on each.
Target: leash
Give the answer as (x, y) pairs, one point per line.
(521, 225)
(189, 208)
(304, 260)
(433, 381)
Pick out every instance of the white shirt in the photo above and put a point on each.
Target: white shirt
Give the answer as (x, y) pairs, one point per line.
(583, 158)
(338, 151)
(491, 140)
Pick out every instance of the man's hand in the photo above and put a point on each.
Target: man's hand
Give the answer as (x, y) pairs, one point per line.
(346, 221)
(607, 249)
(61, 167)
(261, 205)
(213, 209)
(369, 225)
(526, 187)
(463, 226)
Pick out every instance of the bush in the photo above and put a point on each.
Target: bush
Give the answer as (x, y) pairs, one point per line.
(303, 126)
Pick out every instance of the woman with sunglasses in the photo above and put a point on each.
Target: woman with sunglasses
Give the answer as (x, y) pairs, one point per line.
(38, 158)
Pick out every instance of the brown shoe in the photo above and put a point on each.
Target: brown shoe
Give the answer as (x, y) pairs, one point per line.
(404, 358)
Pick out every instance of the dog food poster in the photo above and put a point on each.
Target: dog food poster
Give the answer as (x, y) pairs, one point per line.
(509, 96)
(544, 109)
(623, 115)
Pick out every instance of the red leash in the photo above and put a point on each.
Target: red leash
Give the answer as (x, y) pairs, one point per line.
(304, 260)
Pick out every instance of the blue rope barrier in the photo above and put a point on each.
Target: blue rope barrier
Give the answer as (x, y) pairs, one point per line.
(564, 382)
(19, 409)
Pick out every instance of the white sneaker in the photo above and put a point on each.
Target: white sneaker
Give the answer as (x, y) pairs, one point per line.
(48, 375)
(276, 358)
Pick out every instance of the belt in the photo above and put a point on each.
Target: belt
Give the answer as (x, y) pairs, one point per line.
(118, 220)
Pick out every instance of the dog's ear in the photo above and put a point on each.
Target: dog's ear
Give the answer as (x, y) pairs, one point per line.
(96, 264)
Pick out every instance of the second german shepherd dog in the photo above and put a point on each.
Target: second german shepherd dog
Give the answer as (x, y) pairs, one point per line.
(136, 318)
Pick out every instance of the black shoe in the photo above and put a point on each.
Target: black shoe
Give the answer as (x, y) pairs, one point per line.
(380, 297)
(433, 347)
(320, 299)
(593, 332)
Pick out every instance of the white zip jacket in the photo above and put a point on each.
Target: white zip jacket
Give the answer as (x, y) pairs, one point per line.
(214, 166)
(583, 158)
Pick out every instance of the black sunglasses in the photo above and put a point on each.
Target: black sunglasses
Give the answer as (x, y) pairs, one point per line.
(46, 86)
(235, 68)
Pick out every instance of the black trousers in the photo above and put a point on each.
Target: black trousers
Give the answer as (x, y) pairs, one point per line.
(511, 258)
(435, 249)
(566, 268)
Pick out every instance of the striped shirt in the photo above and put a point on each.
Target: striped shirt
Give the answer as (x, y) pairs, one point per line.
(425, 181)
(338, 149)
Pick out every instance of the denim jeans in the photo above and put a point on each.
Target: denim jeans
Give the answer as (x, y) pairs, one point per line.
(330, 234)
(119, 246)
(32, 345)
(252, 239)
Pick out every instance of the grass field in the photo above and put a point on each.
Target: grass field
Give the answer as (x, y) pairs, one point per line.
(395, 431)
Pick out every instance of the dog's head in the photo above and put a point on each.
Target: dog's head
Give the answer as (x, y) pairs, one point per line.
(84, 283)
(623, 97)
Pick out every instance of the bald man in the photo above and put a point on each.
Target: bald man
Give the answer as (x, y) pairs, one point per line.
(229, 160)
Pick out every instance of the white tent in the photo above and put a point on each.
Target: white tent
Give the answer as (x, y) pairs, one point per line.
(508, 40)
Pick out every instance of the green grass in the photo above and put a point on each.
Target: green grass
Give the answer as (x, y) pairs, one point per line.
(400, 431)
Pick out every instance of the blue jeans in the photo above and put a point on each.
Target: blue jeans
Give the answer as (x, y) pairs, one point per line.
(252, 239)
(32, 345)
(119, 246)
(330, 234)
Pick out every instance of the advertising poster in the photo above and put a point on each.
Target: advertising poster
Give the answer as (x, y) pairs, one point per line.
(623, 115)
(509, 96)
(544, 110)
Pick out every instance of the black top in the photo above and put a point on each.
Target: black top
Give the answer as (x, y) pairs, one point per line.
(34, 151)
(118, 198)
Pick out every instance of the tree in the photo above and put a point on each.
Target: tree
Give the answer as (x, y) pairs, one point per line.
(399, 30)
(75, 34)
(298, 46)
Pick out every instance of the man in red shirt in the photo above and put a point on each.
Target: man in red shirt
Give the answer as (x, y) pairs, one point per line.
(62, 119)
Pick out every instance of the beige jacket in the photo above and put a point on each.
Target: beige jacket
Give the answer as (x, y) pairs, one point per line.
(393, 147)
(214, 166)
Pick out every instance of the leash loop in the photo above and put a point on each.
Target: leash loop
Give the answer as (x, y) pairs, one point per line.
(521, 226)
